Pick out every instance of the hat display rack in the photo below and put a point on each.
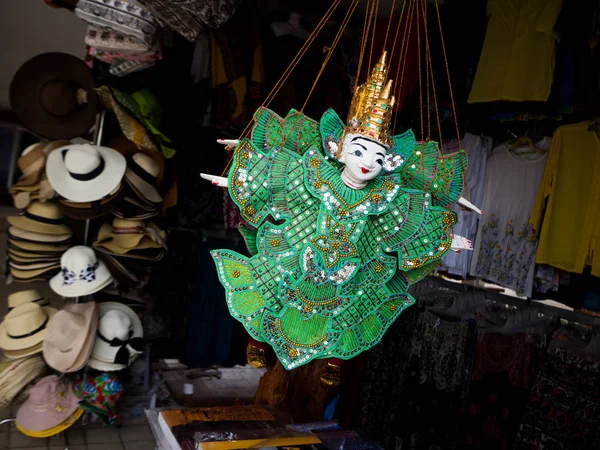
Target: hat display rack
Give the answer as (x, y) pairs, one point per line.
(106, 337)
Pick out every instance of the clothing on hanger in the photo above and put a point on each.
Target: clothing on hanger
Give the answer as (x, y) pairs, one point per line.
(504, 250)
(478, 149)
(517, 60)
(292, 27)
(567, 209)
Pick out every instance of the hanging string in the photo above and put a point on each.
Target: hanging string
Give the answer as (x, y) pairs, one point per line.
(376, 11)
(404, 51)
(363, 45)
(432, 75)
(288, 71)
(387, 31)
(437, 10)
(420, 75)
(464, 169)
(331, 49)
(428, 66)
(398, 30)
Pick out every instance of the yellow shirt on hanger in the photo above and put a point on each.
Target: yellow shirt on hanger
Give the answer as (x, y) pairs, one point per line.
(568, 203)
(517, 60)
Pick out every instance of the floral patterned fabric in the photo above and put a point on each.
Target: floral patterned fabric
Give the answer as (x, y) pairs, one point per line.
(498, 391)
(440, 346)
(563, 408)
(505, 246)
(100, 394)
(190, 17)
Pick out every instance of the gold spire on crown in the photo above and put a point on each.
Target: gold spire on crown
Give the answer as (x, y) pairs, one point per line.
(371, 109)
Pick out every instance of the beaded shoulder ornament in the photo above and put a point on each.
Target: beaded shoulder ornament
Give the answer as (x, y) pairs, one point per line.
(331, 265)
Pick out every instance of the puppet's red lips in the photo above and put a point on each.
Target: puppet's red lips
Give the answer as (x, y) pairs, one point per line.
(364, 170)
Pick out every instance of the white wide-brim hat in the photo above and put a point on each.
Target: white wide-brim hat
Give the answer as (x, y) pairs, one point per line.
(121, 323)
(84, 172)
(82, 273)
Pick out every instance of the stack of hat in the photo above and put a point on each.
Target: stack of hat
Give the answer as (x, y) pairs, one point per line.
(142, 199)
(51, 407)
(17, 375)
(81, 273)
(87, 177)
(70, 336)
(24, 328)
(33, 183)
(119, 339)
(127, 246)
(36, 239)
(29, 296)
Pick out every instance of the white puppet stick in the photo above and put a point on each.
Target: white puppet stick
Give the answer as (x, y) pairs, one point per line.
(217, 181)
(467, 204)
(460, 243)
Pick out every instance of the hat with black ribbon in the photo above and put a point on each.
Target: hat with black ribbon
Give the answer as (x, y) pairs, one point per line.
(85, 172)
(119, 338)
(25, 326)
(142, 173)
(41, 217)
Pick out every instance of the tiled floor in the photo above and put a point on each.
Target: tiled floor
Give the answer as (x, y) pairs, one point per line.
(131, 436)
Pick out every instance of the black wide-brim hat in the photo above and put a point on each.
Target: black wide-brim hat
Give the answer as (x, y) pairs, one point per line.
(44, 96)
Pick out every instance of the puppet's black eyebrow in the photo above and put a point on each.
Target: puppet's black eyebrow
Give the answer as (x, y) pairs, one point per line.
(369, 140)
(379, 153)
(356, 143)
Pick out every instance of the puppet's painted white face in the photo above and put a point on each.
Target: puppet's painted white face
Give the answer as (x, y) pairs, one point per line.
(363, 159)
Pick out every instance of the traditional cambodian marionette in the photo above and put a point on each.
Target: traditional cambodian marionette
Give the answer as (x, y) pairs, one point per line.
(340, 220)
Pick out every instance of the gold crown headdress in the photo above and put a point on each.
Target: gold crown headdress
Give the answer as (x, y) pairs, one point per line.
(371, 109)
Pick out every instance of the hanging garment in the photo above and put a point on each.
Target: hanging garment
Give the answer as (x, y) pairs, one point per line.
(569, 202)
(380, 400)
(190, 17)
(563, 407)
(432, 387)
(517, 60)
(440, 346)
(478, 149)
(504, 250)
(127, 18)
(497, 392)
(209, 334)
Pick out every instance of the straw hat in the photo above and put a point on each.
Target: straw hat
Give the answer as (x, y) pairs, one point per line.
(141, 175)
(24, 326)
(23, 235)
(37, 247)
(70, 336)
(26, 276)
(19, 255)
(31, 163)
(30, 258)
(54, 430)
(92, 210)
(31, 265)
(118, 339)
(41, 217)
(17, 375)
(29, 296)
(125, 235)
(84, 172)
(53, 96)
(81, 273)
(50, 404)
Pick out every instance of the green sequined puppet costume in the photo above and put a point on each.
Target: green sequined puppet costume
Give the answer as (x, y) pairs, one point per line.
(334, 243)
